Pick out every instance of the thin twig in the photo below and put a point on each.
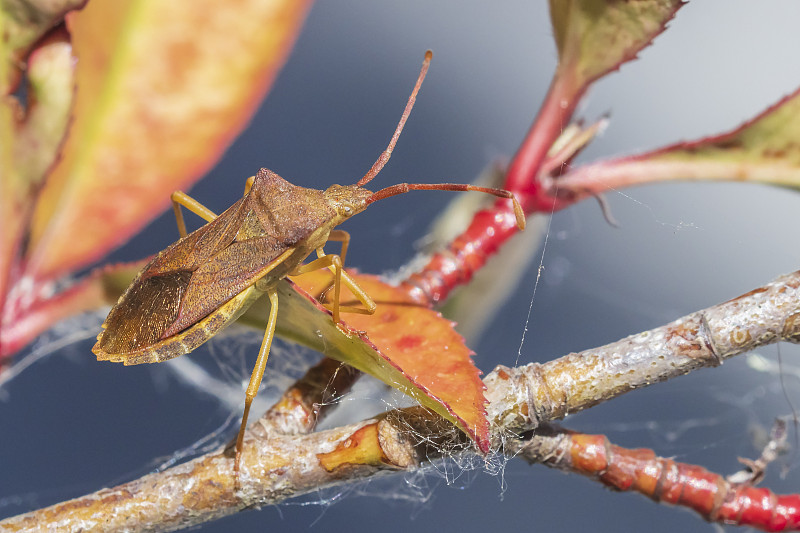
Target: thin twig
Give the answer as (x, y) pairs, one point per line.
(662, 479)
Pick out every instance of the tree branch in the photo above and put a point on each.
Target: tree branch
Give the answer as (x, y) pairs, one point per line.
(277, 466)
(521, 398)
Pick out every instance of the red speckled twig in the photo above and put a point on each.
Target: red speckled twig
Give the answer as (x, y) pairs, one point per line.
(456, 265)
(664, 480)
(492, 227)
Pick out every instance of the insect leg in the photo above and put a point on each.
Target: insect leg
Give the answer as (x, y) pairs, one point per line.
(180, 198)
(257, 375)
(361, 294)
(369, 304)
(334, 263)
(343, 237)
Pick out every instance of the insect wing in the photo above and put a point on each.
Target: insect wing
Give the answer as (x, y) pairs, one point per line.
(192, 251)
(145, 310)
(152, 301)
(228, 273)
(189, 339)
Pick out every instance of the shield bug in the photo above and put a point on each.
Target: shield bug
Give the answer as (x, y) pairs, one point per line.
(208, 278)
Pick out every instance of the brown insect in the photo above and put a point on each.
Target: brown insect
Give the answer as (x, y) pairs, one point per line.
(208, 278)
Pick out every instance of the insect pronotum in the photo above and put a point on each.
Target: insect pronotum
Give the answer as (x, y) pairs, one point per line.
(208, 278)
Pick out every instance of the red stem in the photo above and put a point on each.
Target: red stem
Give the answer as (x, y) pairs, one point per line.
(685, 485)
(464, 256)
(556, 111)
(492, 227)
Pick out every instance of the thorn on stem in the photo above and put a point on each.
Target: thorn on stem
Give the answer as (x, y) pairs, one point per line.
(606, 210)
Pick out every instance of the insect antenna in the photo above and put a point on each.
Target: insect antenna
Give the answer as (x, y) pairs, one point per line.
(384, 157)
(402, 188)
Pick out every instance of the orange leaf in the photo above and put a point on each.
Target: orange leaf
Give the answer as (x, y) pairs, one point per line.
(162, 89)
(407, 346)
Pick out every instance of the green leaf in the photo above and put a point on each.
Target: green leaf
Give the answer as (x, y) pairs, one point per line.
(594, 37)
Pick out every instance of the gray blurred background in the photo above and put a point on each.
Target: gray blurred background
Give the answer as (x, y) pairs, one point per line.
(70, 425)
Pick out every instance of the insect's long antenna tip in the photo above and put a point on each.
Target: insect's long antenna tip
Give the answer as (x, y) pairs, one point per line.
(384, 157)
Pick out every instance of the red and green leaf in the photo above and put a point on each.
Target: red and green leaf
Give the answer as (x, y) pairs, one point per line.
(405, 345)
(162, 89)
(22, 23)
(595, 37)
(34, 133)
